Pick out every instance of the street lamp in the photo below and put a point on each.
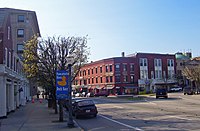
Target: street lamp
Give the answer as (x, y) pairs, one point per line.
(70, 120)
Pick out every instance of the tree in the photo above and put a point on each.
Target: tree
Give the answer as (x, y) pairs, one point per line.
(42, 58)
(193, 74)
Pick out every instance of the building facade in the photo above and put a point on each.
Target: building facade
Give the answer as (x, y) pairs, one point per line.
(126, 75)
(16, 27)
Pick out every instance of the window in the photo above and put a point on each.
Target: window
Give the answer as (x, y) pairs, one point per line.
(107, 79)
(9, 64)
(20, 33)
(20, 48)
(158, 74)
(92, 71)
(170, 62)
(158, 62)
(117, 78)
(6, 56)
(106, 68)
(143, 62)
(132, 67)
(8, 32)
(124, 67)
(132, 79)
(170, 73)
(21, 18)
(110, 66)
(101, 79)
(96, 70)
(80, 73)
(125, 78)
(96, 79)
(92, 80)
(89, 81)
(111, 78)
(85, 82)
(143, 74)
(101, 70)
(88, 71)
(117, 67)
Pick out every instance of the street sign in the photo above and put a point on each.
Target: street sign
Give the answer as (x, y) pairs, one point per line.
(62, 88)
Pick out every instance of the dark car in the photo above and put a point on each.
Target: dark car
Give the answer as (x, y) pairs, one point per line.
(83, 107)
(161, 92)
(102, 93)
(188, 90)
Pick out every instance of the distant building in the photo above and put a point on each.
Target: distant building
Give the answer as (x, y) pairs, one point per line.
(126, 75)
(16, 27)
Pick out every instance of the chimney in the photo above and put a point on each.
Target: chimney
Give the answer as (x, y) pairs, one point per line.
(123, 54)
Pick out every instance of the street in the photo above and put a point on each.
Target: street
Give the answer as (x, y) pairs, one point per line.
(179, 112)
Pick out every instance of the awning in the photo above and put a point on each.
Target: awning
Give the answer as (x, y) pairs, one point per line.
(109, 87)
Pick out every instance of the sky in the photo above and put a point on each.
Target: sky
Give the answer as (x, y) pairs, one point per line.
(115, 26)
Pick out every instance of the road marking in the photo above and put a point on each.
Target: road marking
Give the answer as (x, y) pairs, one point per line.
(180, 118)
(135, 128)
(118, 107)
(151, 102)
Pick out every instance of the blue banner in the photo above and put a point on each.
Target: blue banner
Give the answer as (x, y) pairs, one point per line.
(62, 88)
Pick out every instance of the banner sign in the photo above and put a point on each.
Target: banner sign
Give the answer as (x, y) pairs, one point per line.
(62, 88)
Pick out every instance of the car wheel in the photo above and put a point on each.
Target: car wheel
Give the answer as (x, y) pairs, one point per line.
(166, 97)
(156, 97)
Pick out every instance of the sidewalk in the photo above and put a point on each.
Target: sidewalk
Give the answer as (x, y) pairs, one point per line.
(35, 117)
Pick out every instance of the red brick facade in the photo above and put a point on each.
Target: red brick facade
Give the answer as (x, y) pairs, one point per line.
(120, 75)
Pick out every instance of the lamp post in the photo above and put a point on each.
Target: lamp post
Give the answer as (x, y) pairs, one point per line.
(70, 120)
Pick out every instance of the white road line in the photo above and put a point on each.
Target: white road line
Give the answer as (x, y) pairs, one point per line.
(180, 118)
(135, 128)
(118, 107)
(151, 102)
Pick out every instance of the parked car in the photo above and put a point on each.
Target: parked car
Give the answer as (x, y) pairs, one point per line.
(175, 89)
(188, 90)
(161, 92)
(83, 107)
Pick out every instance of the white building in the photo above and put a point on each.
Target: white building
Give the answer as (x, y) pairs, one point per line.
(16, 27)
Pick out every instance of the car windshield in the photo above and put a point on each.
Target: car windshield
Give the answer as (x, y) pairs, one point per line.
(85, 103)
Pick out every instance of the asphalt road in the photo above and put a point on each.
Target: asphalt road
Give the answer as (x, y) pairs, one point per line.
(177, 113)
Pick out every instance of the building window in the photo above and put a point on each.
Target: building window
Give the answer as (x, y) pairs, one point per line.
(107, 79)
(101, 70)
(20, 33)
(8, 32)
(157, 62)
(88, 71)
(143, 61)
(110, 66)
(132, 67)
(124, 67)
(96, 70)
(92, 71)
(20, 48)
(106, 68)
(125, 78)
(111, 78)
(170, 74)
(9, 64)
(143, 74)
(101, 79)
(89, 81)
(170, 62)
(117, 78)
(132, 78)
(85, 82)
(21, 18)
(80, 82)
(158, 74)
(92, 80)
(117, 67)
(97, 80)
(6, 56)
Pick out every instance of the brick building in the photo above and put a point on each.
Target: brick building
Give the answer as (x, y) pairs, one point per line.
(124, 75)
(16, 27)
